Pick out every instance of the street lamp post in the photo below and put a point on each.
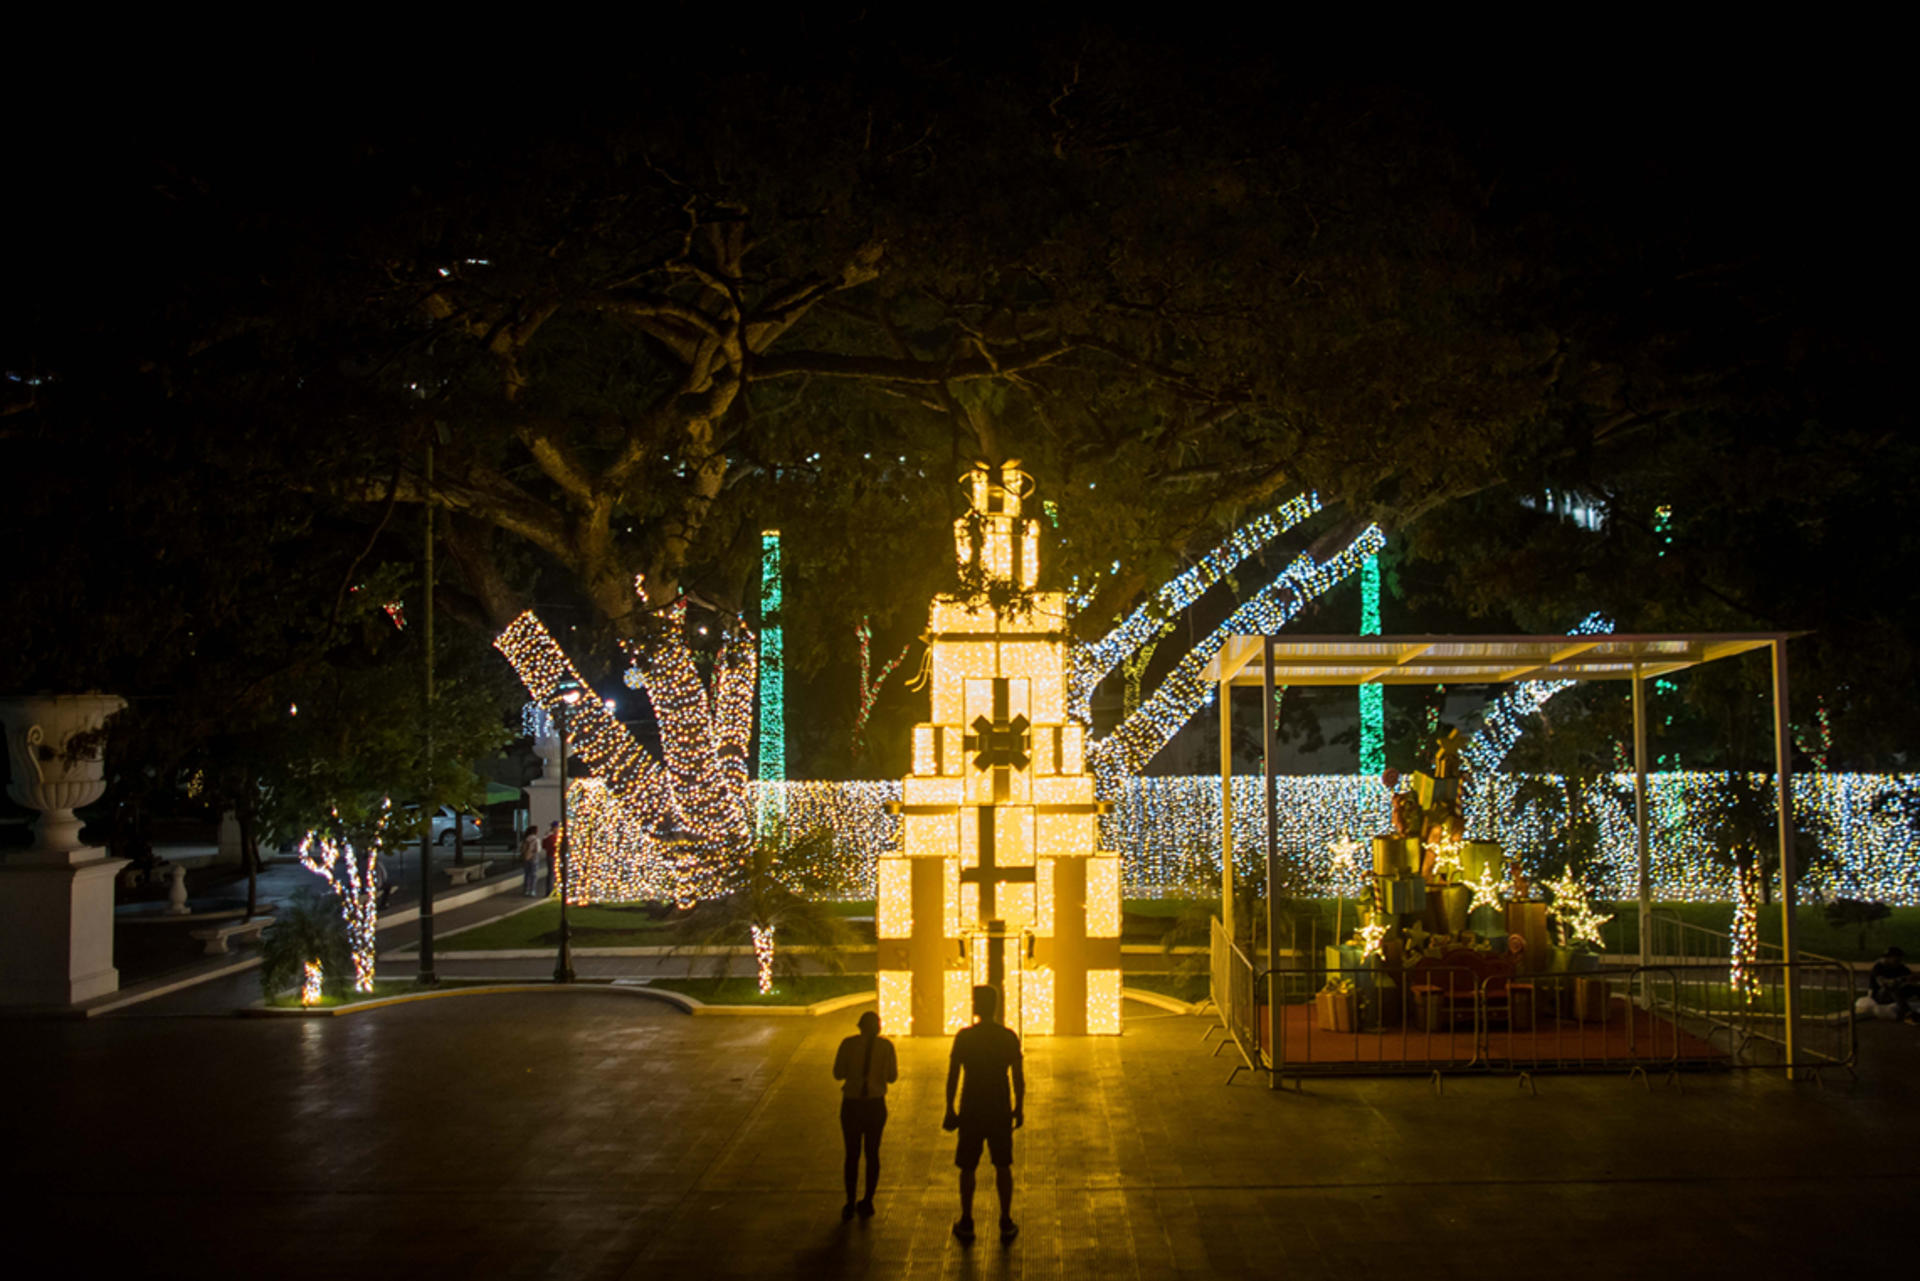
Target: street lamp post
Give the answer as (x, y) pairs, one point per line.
(568, 695)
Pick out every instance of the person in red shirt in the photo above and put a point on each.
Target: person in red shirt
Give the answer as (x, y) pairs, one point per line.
(551, 844)
(987, 1055)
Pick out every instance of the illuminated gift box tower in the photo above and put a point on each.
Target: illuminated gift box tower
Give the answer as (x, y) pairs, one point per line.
(999, 879)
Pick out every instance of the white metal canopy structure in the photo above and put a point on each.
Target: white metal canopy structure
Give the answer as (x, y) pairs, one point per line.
(1273, 661)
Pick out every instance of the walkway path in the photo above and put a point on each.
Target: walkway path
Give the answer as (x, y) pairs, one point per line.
(596, 1135)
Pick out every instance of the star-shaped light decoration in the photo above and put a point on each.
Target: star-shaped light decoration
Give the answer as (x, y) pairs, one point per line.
(1345, 852)
(1446, 855)
(1579, 923)
(1371, 936)
(1489, 890)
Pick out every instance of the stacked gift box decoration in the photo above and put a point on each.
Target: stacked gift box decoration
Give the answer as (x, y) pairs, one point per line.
(1435, 896)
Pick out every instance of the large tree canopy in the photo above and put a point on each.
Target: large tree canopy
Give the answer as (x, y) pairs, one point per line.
(804, 287)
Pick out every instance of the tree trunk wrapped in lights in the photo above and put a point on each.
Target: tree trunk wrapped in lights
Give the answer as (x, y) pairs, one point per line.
(355, 878)
(1744, 934)
(687, 813)
(1185, 690)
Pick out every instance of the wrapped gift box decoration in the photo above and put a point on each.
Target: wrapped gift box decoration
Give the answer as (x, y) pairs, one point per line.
(1395, 855)
(1351, 964)
(1592, 1000)
(1403, 894)
(1529, 921)
(1477, 856)
(1430, 790)
(1454, 902)
(1338, 1010)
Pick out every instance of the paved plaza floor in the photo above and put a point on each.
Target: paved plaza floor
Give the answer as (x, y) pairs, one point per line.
(595, 1134)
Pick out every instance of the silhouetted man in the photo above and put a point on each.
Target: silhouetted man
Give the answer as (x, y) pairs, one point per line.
(987, 1054)
(867, 1066)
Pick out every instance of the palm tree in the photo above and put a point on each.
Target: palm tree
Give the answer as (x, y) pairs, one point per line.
(780, 890)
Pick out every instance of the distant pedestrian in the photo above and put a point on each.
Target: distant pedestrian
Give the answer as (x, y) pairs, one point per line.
(865, 1065)
(987, 1055)
(1891, 983)
(529, 860)
(551, 844)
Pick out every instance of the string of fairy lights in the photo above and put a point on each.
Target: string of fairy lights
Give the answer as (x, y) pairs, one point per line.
(592, 732)
(1167, 833)
(1744, 934)
(1090, 664)
(870, 685)
(704, 737)
(354, 876)
(1505, 719)
(773, 688)
(1185, 689)
(1373, 697)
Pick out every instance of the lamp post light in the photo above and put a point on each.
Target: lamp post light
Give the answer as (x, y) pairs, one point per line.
(568, 694)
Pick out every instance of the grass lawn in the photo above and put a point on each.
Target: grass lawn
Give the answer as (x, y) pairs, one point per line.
(1813, 932)
(745, 990)
(1719, 999)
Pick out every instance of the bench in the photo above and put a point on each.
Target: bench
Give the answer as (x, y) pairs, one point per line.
(470, 872)
(216, 937)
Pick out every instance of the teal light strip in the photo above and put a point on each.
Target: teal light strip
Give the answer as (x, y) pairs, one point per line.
(773, 687)
(1373, 705)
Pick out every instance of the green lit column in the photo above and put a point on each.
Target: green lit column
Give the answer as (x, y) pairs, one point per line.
(773, 687)
(1373, 707)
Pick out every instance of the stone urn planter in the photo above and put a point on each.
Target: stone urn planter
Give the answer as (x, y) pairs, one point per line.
(56, 898)
(54, 748)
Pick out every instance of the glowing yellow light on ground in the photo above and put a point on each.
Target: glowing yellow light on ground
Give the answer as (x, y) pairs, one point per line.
(310, 990)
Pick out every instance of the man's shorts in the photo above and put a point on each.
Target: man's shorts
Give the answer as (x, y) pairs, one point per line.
(996, 1132)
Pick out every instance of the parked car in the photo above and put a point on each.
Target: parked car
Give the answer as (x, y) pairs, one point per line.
(443, 827)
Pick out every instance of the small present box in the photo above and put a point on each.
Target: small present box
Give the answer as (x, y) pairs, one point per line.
(1592, 1000)
(1338, 1010)
(1454, 901)
(1395, 855)
(1350, 964)
(1401, 895)
(1478, 856)
(1529, 922)
(1430, 790)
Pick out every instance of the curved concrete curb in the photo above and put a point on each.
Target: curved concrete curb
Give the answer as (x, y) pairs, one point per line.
(679, 1000)
(1159, 1001)
(477, 989)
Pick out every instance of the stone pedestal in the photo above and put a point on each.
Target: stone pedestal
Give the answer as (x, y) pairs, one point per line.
(56, 929)
(543, 793)
(56, 899)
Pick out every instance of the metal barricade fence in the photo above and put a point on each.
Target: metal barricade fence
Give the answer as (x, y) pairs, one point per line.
(1743, 1010)
(1355, 1020)
(1236, 997)
(1438, 1019)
